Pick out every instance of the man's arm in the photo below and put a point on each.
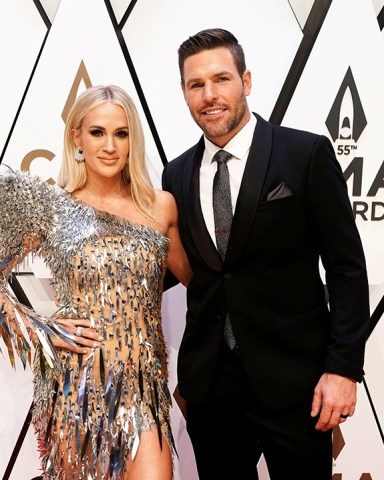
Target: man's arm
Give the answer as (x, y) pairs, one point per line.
(343, 259)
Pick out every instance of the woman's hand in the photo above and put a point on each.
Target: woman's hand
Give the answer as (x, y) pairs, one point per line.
(80, 332)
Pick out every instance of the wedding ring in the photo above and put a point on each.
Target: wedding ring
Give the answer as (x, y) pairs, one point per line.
(344, 416)
(79, 331)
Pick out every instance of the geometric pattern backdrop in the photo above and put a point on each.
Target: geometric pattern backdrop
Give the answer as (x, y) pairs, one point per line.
(316, 65)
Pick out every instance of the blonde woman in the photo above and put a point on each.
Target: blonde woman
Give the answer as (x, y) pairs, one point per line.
(102, 405)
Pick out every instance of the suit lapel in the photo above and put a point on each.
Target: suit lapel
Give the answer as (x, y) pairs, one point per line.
(250, 190)
(192, 209)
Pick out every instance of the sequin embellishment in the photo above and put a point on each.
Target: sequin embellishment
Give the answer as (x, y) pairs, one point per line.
(90, 410)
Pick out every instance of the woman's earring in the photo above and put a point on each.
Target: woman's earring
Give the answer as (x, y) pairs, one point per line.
(79, 157)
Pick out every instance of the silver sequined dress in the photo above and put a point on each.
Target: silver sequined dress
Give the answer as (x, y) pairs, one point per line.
(89, 409)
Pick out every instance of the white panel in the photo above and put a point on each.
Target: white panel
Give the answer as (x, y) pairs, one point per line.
(302, 9)
(374, 357)
(40, 126)
(50, 8)
(119, 8)
(15, 400)
(351, 38)
(21, 36)
(378, 5)
(28, 456)
(39, 292)
(268, 31)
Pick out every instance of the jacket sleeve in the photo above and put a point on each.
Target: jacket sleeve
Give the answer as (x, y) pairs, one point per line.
(26, 214)
(342, 256)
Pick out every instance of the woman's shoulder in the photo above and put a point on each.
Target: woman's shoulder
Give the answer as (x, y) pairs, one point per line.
(27, 206)
(21, 180)
(164, 198)
(25, 195)
(165, 208)
(165, 203)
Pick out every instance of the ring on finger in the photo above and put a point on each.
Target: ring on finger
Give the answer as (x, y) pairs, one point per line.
(79, 331)
(344, 415)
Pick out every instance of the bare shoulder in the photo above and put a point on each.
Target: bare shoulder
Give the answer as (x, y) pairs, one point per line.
(165, 209)
(164, 199)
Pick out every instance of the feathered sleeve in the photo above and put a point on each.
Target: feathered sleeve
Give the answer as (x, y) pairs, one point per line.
(26, 216)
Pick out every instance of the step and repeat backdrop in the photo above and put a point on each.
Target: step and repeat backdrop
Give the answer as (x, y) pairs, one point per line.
(316, 65)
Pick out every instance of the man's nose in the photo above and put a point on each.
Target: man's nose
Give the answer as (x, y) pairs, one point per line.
(210, 92)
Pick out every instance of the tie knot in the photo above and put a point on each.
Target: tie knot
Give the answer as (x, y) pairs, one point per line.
(221, 156)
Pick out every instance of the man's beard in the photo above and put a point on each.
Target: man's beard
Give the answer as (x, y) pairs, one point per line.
(223, 127)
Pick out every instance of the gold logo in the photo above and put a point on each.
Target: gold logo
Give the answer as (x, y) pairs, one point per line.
(338, 445)
(81, 75)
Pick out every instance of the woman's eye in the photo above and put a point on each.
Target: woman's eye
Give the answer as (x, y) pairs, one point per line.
(122, 134)
(96, 133)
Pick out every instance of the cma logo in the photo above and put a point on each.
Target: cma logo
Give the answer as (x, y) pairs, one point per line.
(346, 122)
(338, 446)
(364, 476)
(81, 76)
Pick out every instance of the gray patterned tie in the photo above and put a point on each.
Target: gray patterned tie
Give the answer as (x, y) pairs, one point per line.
(222, 213)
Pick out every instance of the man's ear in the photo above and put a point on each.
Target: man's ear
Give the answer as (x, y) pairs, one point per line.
(247, 82)
(183, 89)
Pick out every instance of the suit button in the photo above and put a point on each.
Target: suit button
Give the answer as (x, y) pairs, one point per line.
(227, 276)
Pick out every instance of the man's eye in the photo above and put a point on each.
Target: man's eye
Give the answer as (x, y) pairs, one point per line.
(96, 133)
(222, 79)
(196, 85)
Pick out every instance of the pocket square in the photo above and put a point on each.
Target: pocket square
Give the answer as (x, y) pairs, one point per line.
(280, 191)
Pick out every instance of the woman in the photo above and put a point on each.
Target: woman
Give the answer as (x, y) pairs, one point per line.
(107, 236)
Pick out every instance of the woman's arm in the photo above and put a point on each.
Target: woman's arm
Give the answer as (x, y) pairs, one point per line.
(166, 212)
(26, 216)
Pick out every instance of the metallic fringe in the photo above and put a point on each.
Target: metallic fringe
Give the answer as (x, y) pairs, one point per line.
(89, 410)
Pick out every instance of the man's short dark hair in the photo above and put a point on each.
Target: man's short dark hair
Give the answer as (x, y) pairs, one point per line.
(207, 40)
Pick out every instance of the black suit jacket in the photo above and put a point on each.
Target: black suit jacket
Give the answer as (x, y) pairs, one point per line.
(293, 208)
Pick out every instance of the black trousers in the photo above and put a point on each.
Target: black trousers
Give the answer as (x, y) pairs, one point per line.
(231, 429)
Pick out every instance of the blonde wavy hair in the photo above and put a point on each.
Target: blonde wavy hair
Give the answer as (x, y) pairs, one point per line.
(73, 174)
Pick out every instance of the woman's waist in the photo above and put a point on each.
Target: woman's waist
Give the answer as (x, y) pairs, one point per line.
(108, 316)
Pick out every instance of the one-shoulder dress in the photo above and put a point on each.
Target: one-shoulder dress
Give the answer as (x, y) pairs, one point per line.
(89, 410)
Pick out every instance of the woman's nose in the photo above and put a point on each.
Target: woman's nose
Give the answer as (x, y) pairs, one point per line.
(109, 143)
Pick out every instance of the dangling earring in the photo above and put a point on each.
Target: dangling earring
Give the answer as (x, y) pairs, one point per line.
(79, 157)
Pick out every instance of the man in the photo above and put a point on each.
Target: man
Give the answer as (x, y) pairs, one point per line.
(291, 374)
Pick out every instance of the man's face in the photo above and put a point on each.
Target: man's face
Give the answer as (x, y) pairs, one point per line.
(216, 94)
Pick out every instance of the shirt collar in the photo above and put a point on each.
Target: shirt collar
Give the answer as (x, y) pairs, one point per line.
(238, 146)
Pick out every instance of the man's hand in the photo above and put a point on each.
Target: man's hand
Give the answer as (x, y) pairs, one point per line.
(334, 399)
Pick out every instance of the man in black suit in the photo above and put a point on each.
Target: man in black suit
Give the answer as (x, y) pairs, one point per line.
(292, 373)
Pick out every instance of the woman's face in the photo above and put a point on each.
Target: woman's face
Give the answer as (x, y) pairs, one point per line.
(104, 141)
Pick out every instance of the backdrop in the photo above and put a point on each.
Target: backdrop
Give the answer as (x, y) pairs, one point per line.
(316, 65)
